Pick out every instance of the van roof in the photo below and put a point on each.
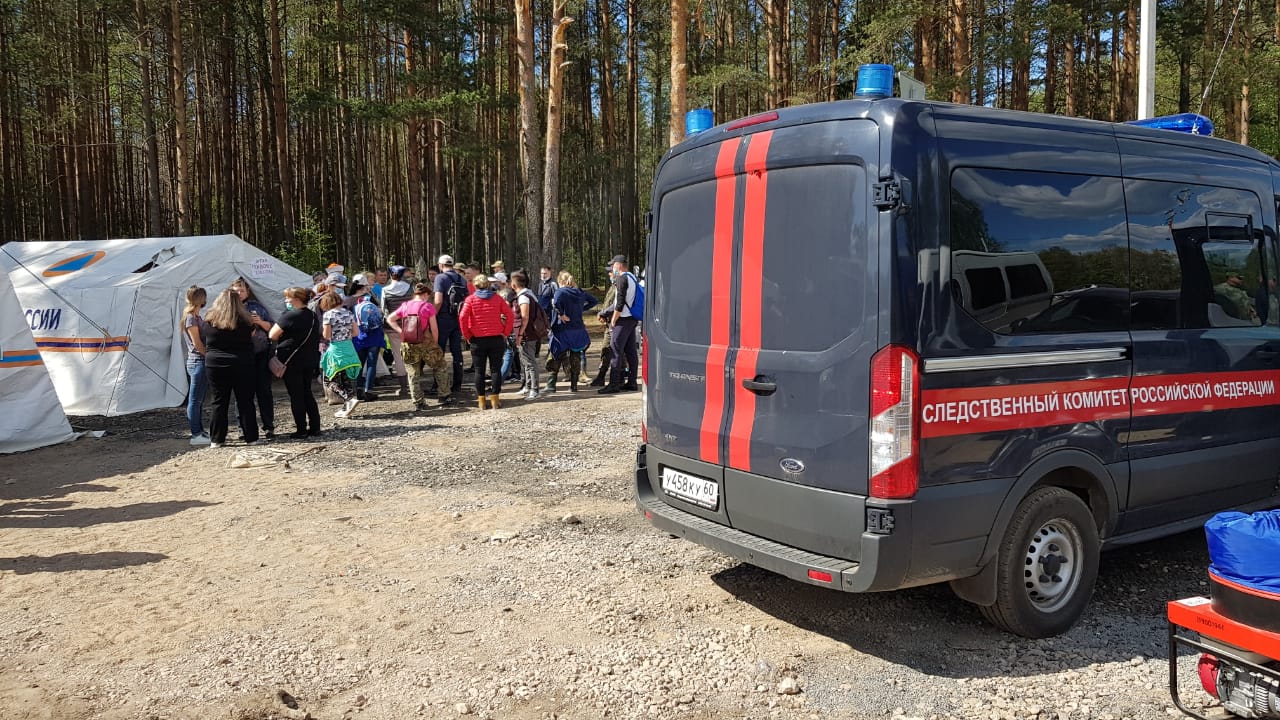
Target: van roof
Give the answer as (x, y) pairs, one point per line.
(896, 111)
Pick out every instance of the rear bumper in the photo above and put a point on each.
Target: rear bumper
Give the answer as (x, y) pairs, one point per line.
(884, 559)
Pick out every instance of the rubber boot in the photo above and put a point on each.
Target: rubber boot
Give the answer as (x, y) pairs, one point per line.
(551, 382)
(493, 402)
(481, 399)
(573, 381)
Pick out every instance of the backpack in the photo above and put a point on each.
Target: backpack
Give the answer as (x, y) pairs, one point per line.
(457, 293)
(636, 306)
(414, 330)
(369, 317)
(539, 327)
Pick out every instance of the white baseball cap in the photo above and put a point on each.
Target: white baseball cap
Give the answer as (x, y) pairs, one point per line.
(500, 277)
(445, 260)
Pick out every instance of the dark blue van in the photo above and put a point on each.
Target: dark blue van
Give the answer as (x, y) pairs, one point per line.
(893, 343)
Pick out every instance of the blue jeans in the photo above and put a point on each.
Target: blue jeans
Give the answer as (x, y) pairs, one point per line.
(508, 358)
(451, 342)
(369, 360)
(195, 396)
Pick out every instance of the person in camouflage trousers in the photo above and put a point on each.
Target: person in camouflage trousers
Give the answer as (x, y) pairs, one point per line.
(427, 353)
(606, 354)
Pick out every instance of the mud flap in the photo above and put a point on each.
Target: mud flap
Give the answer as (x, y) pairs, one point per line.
(978, 589)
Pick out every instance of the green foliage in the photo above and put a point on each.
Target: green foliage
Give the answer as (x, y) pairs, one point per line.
(311, 247)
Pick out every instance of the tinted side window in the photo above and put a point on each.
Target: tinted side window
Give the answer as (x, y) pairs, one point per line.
(1057, 241)
(1200, 250)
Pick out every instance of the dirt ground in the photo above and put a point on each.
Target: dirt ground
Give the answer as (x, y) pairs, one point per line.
(491, 564)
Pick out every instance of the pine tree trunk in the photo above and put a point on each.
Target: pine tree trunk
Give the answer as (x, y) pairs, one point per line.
(1050, 74)
(1246, 45)
(1069, 73)
(960, 92)
(530, 131)
(280, 115)
(346, 193)
(630, 203)
(178, 71)
(1129, 76)
(413, 148)
(679, 69)
(150, 143)
(1021, 79)
(550, 254)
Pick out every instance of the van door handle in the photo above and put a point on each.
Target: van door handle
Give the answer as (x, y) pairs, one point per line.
(760, 388)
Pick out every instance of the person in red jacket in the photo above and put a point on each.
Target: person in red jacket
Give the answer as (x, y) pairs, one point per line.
(486, 320)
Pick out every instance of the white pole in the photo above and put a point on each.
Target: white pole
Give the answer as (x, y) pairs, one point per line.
(1147, 60)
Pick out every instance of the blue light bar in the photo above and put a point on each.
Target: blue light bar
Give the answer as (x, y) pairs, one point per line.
(1182, 122)
(875, 80)
(700, 120)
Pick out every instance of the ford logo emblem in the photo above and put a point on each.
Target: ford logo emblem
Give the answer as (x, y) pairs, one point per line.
(791, 465)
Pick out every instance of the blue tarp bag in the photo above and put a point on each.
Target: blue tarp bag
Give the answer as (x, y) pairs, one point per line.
(1245, 549)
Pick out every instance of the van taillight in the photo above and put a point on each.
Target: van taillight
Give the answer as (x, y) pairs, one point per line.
(644, 391)
(894, 437)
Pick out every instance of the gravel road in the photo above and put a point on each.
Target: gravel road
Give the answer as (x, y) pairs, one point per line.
(493, 565)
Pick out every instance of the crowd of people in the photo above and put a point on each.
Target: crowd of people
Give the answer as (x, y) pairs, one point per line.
(389, 326)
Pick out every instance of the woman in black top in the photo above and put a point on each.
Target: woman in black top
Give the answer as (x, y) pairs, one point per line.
(297, 336)
(228, 341)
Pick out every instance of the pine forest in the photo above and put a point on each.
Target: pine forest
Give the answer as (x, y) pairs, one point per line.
(379, 131)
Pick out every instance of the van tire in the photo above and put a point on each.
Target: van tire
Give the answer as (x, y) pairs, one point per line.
(1046, 565)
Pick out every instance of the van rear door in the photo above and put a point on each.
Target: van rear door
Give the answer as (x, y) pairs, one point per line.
(760, 364)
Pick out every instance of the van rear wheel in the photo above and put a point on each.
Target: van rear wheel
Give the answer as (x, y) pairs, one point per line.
(1046, 565)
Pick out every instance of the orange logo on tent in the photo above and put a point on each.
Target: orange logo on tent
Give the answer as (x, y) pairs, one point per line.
(74, 263)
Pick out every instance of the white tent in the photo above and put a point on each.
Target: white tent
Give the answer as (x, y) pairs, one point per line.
(30, 415)
(105, 313)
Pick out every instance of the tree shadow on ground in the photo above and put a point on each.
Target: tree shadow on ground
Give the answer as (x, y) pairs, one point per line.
(74, 561)
(40, 514)
(935, 633)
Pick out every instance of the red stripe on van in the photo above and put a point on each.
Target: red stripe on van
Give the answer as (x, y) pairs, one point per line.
(721, 261)
(750, 289)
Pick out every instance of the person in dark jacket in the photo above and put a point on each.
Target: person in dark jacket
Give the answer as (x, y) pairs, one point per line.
(569, 336)
(486, 321)
(297, 337)
(262, 377)
(623, 343)
(547, 290)
(449, 284)
(228, 358)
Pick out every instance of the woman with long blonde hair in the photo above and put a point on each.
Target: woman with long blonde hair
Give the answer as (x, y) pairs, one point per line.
(191, 324)
(228, 341)
(569, 336)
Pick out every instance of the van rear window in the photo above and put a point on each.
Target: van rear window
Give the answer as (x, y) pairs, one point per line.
(681, 263)
(815, 257)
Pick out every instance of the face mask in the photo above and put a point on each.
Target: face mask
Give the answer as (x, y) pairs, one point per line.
(288, 306)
